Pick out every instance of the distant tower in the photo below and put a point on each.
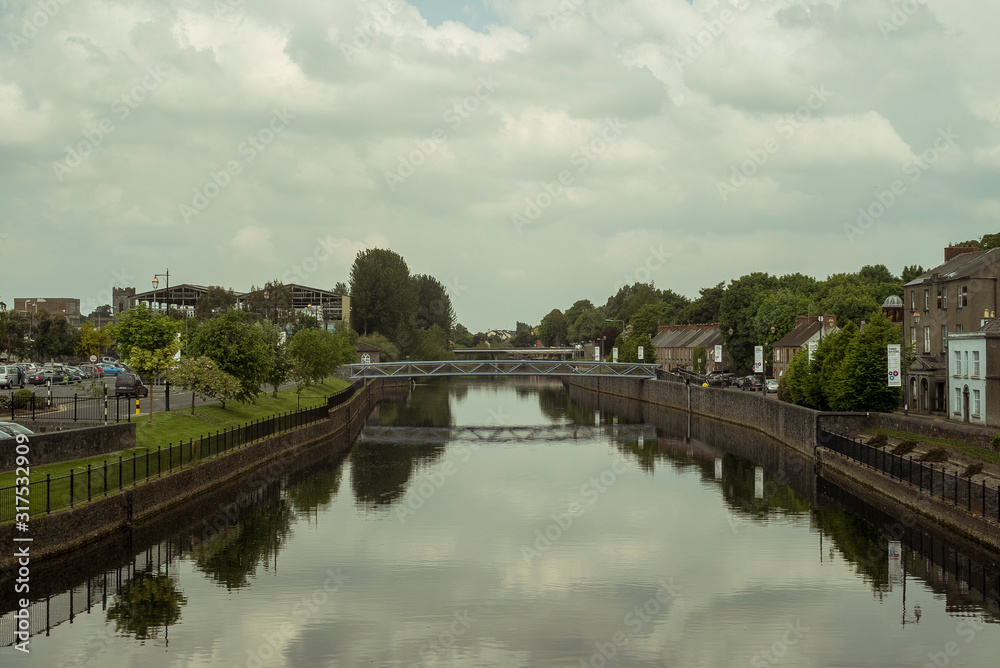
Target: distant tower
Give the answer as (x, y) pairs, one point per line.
(121, 300)
(893, 308)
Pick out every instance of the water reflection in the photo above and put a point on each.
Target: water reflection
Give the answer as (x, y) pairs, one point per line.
(148, 602)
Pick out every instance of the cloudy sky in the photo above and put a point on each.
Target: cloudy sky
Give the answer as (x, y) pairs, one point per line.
(527, 153)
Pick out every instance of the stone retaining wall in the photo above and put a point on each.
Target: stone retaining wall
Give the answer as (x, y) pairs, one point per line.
(63, 531)
(53, 447)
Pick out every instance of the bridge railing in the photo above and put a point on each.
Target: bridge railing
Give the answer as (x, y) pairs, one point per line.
(503, 368)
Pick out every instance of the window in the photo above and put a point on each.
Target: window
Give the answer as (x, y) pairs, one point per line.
(927, 338)
(959, 329)
(944, 338)
(958, 401)
(913, 334)
(927, 299)
(975, 403)
(975, 364)
(958, 363)
(965, 362)
(963, 296)
(939, 298)
(913, 300)
(944, 297)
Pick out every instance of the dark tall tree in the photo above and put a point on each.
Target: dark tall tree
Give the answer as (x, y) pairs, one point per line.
(738, 310)
(910, 272)
(552, 329)
(706, 308)
(524, 336)
(433, 304)
(217, 300)
(271, 303)
(382, 296)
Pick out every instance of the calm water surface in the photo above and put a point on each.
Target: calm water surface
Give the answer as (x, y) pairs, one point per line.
(566, 545)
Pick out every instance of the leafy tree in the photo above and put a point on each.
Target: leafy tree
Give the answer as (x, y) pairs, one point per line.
(462, 336)
(706, 308)
(820, 387)
(215, 301)
(317, 353)
(272, 303)
(382, 295)
(302, 322)
(589, 325)
(524, 336)
(15, 333)
(860, 381)
(433, 304)
(629, 348)
(432, 344)
(92, 340)
(641, 295)
(342, 289)
(851, 302)
(573, 313)
(699, 359)
(53, 335)
(387, 351)
(238, 347)
(738, 310)
(910, 272)
(649, 317)
(147, 341)
(552, 329)
(201, 377)
(779, 310)
(281, 360)
(793, 385)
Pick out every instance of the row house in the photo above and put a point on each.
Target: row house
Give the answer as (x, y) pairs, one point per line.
(954, 298)
(974, 375)
(808, 329)
(675, 346)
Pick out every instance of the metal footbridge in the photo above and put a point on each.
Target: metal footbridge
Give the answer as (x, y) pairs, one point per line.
(503, 368)
(397, 435)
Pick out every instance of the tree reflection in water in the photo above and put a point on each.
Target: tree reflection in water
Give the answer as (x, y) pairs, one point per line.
(148, 602)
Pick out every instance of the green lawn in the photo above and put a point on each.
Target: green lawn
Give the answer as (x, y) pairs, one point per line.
(167, 428)
(984, 454)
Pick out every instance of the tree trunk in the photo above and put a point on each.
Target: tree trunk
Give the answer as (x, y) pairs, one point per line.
(192, 402)
(150, 403)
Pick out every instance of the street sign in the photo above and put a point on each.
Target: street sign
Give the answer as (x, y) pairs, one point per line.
(93, 358)
(895, 380)
(758, 359)
(597, 354)
(641, 352)
(718, 354)
(813, 346)
(614, 354)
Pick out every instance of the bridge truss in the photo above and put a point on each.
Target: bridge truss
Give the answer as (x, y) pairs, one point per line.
(503, 368)
(398, 435)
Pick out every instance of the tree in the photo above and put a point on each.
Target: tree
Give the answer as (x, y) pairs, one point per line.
(317, 353)
(552, 329)
(215, 301)
(15, 333)
(462, 336)
(629, 348)
(433, 304)
(238, 348)
(699, 359)
(578, 308)
(820, 387)
(738, 310)
(386, 350)
(860, 381)
(203, 378)
(649, 317)
(271, 303)
(706, 308)
(146, 602)
(342, 289)
(524, 336)
(147, 341)
(432, 344)
(92, 340)
(910, 272)
(302, 322)
(589, 325)
(850, 302)
(281, 360)
(382, 295)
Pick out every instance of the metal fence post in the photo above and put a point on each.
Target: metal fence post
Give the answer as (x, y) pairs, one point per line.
(170, 458)
(71, 488)
(984, 495)
(159, 466)
(48, 493)
(119, 473)
(88, 482)
(74, 406)
(105, 477)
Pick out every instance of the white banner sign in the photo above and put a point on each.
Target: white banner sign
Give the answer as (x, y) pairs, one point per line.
(895, 380)
(895, 562)
(641, 353)
(614, 354)
(718, 354)
(758, 359)
(813, 345)
(758, 482)
(597, 354)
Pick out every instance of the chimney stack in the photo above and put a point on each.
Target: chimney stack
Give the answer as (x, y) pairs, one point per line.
(952, 252)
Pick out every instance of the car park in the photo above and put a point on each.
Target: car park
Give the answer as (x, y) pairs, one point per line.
(130, 385)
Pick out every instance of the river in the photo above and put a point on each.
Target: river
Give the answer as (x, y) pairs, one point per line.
(508, 524)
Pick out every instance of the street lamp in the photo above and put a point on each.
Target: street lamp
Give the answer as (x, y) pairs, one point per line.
(31, 325)
(156, 282)
(763, 359)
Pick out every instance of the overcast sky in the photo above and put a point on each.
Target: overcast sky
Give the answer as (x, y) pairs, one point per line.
(527, 153)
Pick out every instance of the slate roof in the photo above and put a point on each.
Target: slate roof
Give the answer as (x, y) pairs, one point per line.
(363, 347)
(962, 266)
(689, 336)
(799, 336)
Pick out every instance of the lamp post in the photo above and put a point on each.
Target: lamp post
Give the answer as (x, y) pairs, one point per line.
(156, 282)
(906, 364)
(267, 298)
(763, 359)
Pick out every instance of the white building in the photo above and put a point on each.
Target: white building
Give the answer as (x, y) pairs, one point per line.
(972, 389)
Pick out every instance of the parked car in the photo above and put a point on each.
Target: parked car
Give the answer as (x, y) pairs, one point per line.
(10, 376)
(752, 383)
(729, 379)
(43, 376)
(16, 428)
(129, 385)
(36, 377)
(111, 369)
(108, 360)
(95, 371)
(772, 384)
(74, 375)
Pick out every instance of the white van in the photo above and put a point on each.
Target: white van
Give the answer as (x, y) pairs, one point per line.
(9, 376)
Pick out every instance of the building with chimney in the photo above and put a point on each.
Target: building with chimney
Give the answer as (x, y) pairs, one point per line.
(808, 329)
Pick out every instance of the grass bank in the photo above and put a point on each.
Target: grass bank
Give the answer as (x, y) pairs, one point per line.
(974, 451)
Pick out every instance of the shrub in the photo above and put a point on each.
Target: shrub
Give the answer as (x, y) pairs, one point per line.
(996, 442)
(23, 398)
(878, 441)
(934, 455)
(4, 402)
(971, 470)
(904, 448)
